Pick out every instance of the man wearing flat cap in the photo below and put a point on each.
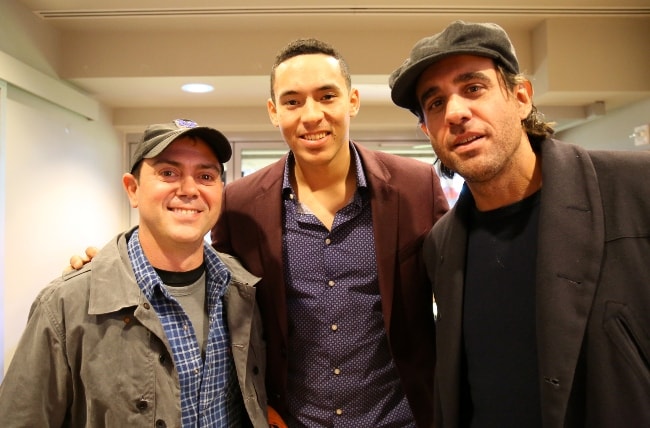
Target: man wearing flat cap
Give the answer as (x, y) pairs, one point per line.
(540, 271)
(159, 329)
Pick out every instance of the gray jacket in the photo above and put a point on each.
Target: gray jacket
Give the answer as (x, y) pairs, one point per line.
(592, 291)
(94, 354)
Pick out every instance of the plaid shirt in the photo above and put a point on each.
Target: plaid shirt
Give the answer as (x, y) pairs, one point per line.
(210, 394)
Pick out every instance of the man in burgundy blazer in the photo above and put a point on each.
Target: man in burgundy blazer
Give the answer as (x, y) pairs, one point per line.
(406, 200)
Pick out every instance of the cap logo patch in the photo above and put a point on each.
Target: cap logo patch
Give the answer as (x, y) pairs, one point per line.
(185, 123)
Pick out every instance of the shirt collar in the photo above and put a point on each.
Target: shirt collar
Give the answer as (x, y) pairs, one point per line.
(217, 274)
(361, 175)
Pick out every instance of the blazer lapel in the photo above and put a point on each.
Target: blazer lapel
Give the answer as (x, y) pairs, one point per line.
(385, 218)
(267, 209)
(449, 299)
(570, 249)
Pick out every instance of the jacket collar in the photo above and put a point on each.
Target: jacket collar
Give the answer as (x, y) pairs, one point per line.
(112, 284)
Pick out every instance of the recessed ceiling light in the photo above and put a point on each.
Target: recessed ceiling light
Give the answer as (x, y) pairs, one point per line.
(197, 88)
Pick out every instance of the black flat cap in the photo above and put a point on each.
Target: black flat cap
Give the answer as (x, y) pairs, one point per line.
(481, 39)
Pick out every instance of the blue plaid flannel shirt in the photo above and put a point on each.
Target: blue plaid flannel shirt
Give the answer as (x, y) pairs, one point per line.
(210, 394)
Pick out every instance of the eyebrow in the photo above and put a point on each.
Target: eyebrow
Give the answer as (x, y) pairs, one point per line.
(461, 78)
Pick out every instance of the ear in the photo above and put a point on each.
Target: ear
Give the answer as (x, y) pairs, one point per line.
(355, 102)
(130, 184)
(273, 112)
(423, 127)
(524, 94)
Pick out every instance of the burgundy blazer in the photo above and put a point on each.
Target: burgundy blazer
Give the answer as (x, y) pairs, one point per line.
(406, 200)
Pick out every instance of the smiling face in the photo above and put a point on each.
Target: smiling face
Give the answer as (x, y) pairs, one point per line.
(313, 107)
(178, 195)
(472, 120)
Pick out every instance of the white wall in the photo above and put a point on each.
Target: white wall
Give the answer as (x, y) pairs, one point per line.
(62, 193)
(612, 130)
(60, 173)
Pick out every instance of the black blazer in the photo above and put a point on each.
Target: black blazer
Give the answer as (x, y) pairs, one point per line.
(593, 291)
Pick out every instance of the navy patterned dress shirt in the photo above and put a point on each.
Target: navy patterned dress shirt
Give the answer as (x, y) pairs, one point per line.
(341, 372)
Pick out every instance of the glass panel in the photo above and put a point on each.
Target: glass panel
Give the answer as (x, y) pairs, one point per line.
(255, 159)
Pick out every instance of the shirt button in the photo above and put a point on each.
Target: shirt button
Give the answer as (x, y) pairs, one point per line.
(335, 327)
(339, 412)
(328, 241)
(330, 283)
(337, 371)
(196, 371)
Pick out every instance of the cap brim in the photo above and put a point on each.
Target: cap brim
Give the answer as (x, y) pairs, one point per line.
(403, 93)
(215, 139)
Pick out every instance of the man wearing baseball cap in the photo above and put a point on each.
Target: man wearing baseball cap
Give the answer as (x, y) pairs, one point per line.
(540, 271)
(159, 329)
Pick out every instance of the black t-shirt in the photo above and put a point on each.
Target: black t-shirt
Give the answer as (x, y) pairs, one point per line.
(502, 387)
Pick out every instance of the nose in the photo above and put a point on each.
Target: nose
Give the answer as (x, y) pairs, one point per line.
(458, 110)
(312, 111)
(187, 186)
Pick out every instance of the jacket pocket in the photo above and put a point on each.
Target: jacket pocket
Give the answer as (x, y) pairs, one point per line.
(626, 331)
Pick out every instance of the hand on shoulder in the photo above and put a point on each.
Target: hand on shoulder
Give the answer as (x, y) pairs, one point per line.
(77, 261)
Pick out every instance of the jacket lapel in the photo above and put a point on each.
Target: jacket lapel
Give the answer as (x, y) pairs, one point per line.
(448, 294)
(571, 242)
(385, 217)
(267, 209)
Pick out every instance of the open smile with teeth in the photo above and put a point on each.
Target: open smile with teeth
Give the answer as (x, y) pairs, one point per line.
(314, 137)
(184, 211)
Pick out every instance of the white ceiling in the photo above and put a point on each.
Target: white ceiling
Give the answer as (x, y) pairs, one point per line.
(135, 54)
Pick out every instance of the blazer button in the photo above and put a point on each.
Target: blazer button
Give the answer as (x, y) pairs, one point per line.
(161, 424)
(162, 358)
